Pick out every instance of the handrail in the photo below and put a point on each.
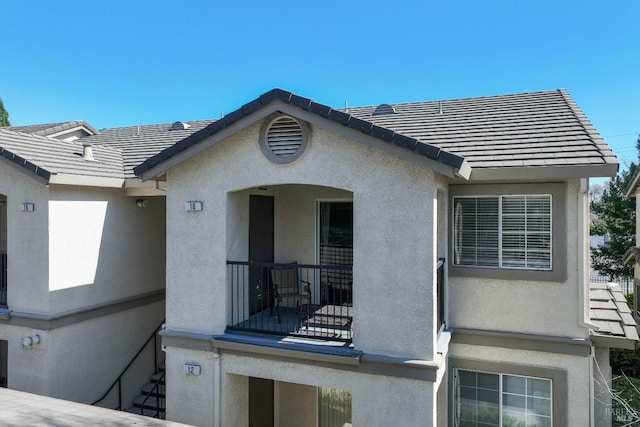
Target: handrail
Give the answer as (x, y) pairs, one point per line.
(118, 380)
(157, 396)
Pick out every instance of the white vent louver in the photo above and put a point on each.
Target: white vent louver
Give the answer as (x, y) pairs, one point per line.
(284, 137)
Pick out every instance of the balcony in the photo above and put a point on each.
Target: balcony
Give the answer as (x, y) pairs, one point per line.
(3, 279)
(303, 300)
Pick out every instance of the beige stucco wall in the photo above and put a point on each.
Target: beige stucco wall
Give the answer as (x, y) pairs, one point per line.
(377, 400)
(506, 305)
(27, 239)
(576, 370)
(103, 247)
(394, 230)
(81, 249)
(80, 361)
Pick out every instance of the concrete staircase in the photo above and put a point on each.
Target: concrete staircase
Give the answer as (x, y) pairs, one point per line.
(151, 402)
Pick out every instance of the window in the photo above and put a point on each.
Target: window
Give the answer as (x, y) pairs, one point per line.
(503, 231)
(334, 407)
(501, 400)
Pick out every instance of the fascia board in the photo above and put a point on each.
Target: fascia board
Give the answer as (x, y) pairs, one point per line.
(70, 130)
(211, 141)
(543, 172)
(84, 180)
(369, 140)
(28, 172)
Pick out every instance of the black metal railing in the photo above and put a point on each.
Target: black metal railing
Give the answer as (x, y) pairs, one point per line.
(441, 292)
(291, 299)
(3, 279)
(153, 340)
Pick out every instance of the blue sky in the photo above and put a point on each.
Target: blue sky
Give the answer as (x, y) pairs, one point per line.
(131, 62)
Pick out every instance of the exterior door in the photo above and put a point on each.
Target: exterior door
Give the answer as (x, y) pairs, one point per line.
(260, 402)
(261, 231)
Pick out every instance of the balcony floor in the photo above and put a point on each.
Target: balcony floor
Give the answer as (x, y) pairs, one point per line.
(321, 322)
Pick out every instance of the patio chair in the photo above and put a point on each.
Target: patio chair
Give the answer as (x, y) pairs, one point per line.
(288, 289)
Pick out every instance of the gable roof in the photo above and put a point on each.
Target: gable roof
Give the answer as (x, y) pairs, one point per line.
(308, 106)
(47, 129)
(61, 162)
(523, 130)
(517, 136)
(611, 314)
(138, 143)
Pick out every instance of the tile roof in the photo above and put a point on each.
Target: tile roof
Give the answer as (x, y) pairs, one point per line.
(611, 314)
(138, 143)
(49, 156)
(46, 129)
(407, 142)
(518, 130)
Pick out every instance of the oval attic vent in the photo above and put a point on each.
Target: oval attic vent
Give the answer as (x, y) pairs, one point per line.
(284, 139)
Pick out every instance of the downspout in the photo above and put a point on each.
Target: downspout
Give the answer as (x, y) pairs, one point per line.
(583, 255)
(217, 416)
(592, 388)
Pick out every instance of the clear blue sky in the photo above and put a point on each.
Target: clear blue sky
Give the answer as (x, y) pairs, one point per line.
(116, 63)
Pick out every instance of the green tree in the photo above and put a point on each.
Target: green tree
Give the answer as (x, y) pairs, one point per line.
(615, 217)
(4, 115)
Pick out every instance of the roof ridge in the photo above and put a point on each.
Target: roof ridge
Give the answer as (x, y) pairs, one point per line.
(77, 142)
(588, 127)
(424, 101)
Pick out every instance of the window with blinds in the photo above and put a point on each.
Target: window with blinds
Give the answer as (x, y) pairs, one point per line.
(503, 231)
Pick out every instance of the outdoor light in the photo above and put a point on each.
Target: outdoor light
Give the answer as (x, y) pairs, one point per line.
(30, 341)
(142, 203)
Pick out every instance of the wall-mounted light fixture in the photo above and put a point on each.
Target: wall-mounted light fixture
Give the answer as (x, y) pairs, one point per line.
(30, 341)
(28, 207)
(142, 203)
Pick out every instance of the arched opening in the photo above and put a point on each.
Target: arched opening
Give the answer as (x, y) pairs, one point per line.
(290, 256)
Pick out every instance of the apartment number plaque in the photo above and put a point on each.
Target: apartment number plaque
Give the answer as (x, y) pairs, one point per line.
(191, 369)
(193, 206)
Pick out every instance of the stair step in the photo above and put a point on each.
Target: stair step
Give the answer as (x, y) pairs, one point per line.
(153, 389)
(148, 402)
(146, 412)
(158, 377)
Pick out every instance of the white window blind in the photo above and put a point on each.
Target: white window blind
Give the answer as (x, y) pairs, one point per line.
(503, 231)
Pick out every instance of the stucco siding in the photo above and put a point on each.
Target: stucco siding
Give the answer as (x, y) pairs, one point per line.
(80, 361)
(506, 304)
(103, 247)
(394, 231)
(571, 397)
(27, 240)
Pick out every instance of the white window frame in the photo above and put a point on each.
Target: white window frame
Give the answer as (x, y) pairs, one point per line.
(457, 215)
(501, 391)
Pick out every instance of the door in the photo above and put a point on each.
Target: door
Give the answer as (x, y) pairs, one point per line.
(261, 231)
(4, 350)
(260, 402)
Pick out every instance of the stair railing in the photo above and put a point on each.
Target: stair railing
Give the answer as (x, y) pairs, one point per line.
(118, 381)
(155, 392)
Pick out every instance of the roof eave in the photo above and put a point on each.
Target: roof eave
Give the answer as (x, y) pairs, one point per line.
(86, 180)
(613, 341)
(305, 109)
(633, 185)
(543, 172)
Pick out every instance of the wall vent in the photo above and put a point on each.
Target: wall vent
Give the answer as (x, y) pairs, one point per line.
(284, 139)
(383, 109)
